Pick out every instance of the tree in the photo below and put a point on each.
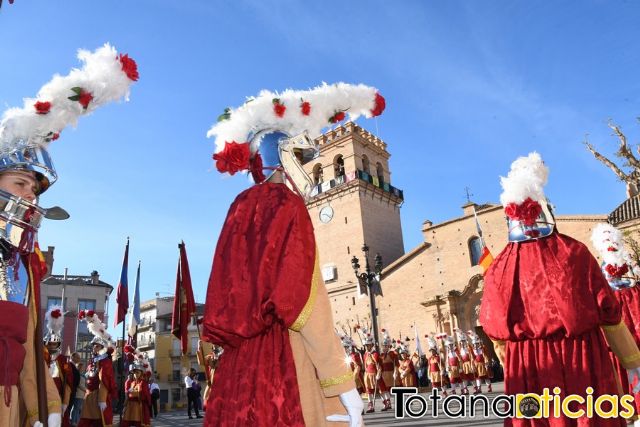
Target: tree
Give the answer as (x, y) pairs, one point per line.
(629, 160)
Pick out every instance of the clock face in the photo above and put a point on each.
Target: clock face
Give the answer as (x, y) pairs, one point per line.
(326, 214)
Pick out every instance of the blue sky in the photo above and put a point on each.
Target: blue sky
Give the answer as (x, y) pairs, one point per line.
(469, 85)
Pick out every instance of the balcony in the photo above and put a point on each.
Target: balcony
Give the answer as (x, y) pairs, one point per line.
(146, 324)
(323, 187)
(146, 345)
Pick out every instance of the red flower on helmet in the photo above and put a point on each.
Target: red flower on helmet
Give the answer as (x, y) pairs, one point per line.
(82, 96)
(56, 313)
(305, 108)
(616, 271)
(337, 117)
(527, 211)
(81, 314)
(235, 157)
(380, 105)
(55, 136)
(42, 107)
(612, 249)
(90, 313)
(129, 67)
(278, 107)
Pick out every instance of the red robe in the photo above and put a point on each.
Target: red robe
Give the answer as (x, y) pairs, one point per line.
(546, 299)
(64, 379)
(260, 282)
(101, 386)
(137, 412)
(629, 300)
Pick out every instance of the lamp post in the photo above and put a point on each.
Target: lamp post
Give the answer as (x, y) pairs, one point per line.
(368, 277)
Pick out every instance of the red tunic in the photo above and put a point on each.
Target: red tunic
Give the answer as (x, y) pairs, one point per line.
(260, 282)
(546, 299)
(103, 369)
(137, 412)
(356, 362)
(629, 300)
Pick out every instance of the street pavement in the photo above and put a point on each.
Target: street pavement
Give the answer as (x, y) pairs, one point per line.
(376, 419)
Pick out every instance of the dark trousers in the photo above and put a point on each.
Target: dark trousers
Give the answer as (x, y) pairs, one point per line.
(154, 406)
(192, 400)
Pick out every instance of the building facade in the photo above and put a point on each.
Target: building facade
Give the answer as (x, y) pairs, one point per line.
(165, 355)
(353, 203)
(80, 293)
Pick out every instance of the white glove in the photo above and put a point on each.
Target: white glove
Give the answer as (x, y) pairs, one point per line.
(102, 406)
(378, 375)
(634, 377)
(54, 420)
(352, 402)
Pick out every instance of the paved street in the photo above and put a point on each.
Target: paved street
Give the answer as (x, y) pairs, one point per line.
(378, 418)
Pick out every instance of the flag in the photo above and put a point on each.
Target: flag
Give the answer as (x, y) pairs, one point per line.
(486, 258)
(134, 319)
(122, 297)
(418, 346)
(184, 305)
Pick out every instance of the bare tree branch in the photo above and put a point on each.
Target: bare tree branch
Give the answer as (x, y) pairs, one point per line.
(623, 150)
(623, 177)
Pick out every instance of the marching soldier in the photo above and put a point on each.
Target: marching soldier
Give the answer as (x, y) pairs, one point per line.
(26, 172)
(97, 410)
(622, 275)
(137, 411)
(407, 369)
(372, 371)
(389, 362)
(453, 365)
(59, 365)
(467, 373)
(480, 364)
(435, 365)
(267, 298)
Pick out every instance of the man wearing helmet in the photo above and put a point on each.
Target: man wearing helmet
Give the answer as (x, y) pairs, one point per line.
(26, 171)
(59, 365)
(266, 304)
(136, 413)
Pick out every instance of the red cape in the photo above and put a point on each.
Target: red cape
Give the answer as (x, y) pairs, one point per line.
(259, 284)
(546, 298)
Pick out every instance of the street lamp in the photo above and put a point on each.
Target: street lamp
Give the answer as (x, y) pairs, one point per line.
(369, 277)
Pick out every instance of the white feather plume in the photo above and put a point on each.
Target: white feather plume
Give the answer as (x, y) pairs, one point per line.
(54, 324)
(606, 238)
(102, 75)
(526, 179)
(325, 100)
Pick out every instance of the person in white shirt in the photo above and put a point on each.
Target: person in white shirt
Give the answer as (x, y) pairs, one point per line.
(192, 398)
(154, 388)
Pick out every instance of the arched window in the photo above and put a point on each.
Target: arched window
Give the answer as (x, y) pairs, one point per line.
(365, 163)
(379, 172)
(317, 174)
(475, 250)
(338, 166)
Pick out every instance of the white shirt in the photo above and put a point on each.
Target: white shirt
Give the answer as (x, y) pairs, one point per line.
(188, 381)
(154, 386)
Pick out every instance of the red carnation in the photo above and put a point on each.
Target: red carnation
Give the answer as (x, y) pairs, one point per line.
(337, 117)
(42, 107)
(616, 271)
(81, 314)
(379, 106)
(55, 136)
(146, 365)
(278, 107)
(305, 107)
(85, 99)
(529, 211)
(90, 313)
(512, 211)
(129, 67)
(235, 157)
(82, 96)
(56, 313)
(612, 249)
